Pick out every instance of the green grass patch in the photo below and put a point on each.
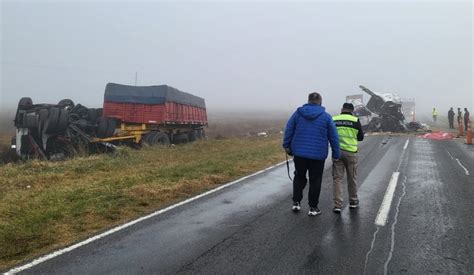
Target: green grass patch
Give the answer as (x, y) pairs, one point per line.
(47, 205)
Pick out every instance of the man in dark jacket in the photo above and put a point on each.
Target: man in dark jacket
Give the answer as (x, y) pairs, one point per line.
(307, 134)
(451, 118)
(466, 118)
(350, 133)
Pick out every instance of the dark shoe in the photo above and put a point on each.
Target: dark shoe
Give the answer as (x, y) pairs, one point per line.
(296, 206)
(353, 205)
(314, 211)
(337, 209)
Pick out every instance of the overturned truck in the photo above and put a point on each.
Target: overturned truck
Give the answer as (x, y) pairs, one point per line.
(131, 115)
(384, 113)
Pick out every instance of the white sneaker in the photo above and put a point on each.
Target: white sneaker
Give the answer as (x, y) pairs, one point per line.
(314, 211)
(296, 206)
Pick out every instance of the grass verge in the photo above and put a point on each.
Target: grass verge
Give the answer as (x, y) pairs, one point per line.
(47, 205)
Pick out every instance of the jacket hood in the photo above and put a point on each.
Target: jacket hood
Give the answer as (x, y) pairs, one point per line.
(311, 111)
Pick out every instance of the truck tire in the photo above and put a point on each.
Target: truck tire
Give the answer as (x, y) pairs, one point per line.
(193, 135)
(111, 125)
(155, 138)
(92, 115)
(42, 117)
(63, 120)
(25, 103)
(52, 121)
(102, 127)
(30, 120)
(66, 103)
(181, 138)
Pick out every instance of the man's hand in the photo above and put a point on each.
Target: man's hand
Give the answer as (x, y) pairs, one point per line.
(288, 151)
(335, 160)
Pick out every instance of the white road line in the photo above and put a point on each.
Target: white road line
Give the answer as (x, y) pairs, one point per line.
(462, 166)
(449, 154)
(406, 144)
(118, 228)
(384, 209)
(392, 244)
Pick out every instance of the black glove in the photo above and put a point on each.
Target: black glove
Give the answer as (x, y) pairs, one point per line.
(288, 151)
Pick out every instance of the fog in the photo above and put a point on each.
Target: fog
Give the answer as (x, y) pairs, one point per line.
(239, 56)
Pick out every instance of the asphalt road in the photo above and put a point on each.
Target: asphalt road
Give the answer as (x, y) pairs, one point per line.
(248, 228)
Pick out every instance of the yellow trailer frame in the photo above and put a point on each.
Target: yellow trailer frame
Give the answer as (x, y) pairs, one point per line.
(127, 131)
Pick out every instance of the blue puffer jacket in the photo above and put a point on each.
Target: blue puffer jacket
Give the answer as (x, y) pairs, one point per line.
(308, 132)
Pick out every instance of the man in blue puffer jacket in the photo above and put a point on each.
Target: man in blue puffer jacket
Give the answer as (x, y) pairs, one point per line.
(307, 135)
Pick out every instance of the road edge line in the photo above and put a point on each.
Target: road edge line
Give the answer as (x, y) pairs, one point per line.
(133, 222)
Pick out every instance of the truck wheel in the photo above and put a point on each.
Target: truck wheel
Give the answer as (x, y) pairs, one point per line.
(66, 103)
(52, 121)
(63, 120)
(25, 103)
(180, 138)
(193, 135)
(92, 115)
(30, 120)
(102, 127)
(155, 138)
(162, 138)
(111, 125)
(42, 117)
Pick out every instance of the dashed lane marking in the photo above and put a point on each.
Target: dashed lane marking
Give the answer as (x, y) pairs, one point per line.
(384, 209)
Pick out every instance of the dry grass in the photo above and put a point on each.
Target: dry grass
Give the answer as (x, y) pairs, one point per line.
(46, 205)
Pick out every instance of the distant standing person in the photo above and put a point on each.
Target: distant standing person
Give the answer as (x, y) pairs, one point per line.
(466, 118)
(350, 133)
(307, 134)
(435, 115)
(459, 117)
(451, 118)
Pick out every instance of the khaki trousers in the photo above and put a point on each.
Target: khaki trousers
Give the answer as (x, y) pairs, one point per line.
(348, 163)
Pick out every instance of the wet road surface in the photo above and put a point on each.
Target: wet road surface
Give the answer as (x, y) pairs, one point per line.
(249, 227)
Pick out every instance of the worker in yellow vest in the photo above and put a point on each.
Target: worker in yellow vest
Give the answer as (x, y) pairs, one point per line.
(435, 115)
(350, 133)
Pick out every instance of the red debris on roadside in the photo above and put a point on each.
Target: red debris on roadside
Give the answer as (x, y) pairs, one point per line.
(438, 136)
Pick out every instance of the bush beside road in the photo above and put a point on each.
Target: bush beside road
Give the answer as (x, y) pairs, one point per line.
(47, 205)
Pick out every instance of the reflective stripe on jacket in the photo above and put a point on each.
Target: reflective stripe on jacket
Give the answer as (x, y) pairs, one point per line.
(347, 130)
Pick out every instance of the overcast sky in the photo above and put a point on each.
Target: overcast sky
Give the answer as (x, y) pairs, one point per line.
(241, 55)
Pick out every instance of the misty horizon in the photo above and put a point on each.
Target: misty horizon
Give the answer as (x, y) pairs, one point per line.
(241, 57)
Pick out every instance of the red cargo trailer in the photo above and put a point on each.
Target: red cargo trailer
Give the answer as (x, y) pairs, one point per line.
(146, 112)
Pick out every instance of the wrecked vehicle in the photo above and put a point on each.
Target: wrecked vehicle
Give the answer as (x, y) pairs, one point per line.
(383, 113)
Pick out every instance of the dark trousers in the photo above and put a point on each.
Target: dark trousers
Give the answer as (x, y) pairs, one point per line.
(451, 123)
(466, 122)
(315, 170)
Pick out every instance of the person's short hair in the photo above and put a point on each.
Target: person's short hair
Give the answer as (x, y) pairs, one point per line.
(348, 106)
(315, 98)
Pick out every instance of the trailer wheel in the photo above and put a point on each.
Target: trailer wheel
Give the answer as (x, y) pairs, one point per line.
(155, 138)
(25, 103)
(162, 138)
(66, 103)
(52, 121)
(102, 127)
(111, 125)
(193, 135)
(180, 138)
(63, 120)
